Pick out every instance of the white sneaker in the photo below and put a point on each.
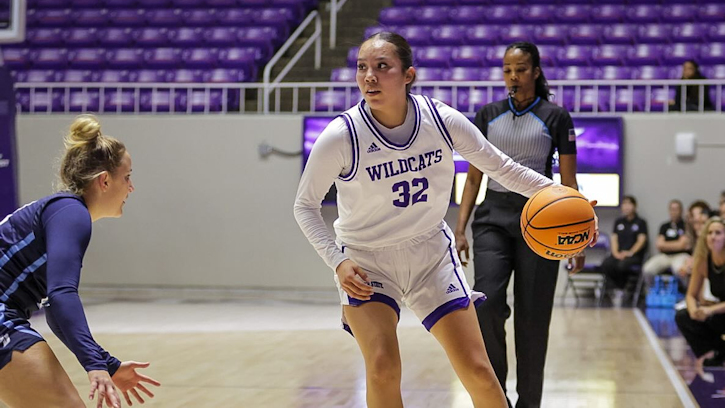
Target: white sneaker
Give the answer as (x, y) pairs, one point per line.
(617, 297)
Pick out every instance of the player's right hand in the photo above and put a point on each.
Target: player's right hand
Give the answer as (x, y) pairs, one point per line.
(101, 382)
(462, 248)
(353, 280)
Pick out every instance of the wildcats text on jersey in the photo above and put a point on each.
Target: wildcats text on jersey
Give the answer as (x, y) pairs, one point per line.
(411, 164)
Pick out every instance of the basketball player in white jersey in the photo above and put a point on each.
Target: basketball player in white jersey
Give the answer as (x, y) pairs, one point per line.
(391, 159)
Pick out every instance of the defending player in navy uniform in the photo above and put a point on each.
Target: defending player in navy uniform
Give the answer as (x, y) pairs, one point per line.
(41, 251)
(391, 160)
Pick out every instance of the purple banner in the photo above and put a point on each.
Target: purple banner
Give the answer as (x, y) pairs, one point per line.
(8, 181)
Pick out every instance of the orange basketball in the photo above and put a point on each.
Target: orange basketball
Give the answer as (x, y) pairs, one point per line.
(557, 222)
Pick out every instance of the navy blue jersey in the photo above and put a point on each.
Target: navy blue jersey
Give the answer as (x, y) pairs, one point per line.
(42, 246)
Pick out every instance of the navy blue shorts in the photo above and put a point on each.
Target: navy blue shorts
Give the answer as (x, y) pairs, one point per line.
(15, 335)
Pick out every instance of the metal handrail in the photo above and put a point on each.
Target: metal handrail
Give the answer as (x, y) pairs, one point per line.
(316, 37)
(335, 7)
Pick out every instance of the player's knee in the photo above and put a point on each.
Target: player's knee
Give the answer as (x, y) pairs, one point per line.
(482, 373)
(384, 368)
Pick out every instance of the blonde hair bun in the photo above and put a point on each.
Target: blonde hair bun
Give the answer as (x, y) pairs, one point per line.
(84, 129)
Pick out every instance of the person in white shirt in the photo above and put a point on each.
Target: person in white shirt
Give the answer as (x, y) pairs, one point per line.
(391, 159)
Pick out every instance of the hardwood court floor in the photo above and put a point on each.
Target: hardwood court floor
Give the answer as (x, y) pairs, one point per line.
(292, 355)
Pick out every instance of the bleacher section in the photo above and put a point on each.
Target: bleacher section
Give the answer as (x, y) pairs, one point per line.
(147, 41)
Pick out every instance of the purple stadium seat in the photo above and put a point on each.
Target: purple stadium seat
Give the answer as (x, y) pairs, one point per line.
(164, 17)
(424, 74)
(550, 34)
(585, 34)
(221, 3)
(448, 35)
(221, 36)
(468, 56)
(482, 35)
(41, 100)
(122, 18)
(712, 54)
(623, 97)
(516, 32)
(76, 75)
(200, 17)
(113, 75)
(154, 3)
(281, 17)
(503, 14)
(444, 95)
(678, 13)
(643, 13)
(253, 3)
(654, 34)
(159, 100)
(396, 15)
(200, 57)
(675, 54)
(236, 17)
(115, 37)
(87, 58)
(475, 99)
(613, 73)
(125, 58)
(689, 33)
(49, 58)
(468, 14)
(711, 13)
(80, 37)
(404, 3)
(15, 58)
(609, 54)
(149, 76)
(83, 3)
(343, 75)
(50, 3)
(44, 37)
(186, 76)
(574, 73)
(260, 37)
(494, 56)
(151, 37)
(608, 13)
(537, 14)
(186, 37)
(39, 75)
(432, 15)
(574, 55)
(433, 56)
(331, 101)
(416, 35)
(163, 58)
(492, 74)
(352, 57)
(661, 97)
(119, 101)
(80, 101)
(189, 3)
(240, 58)
(651, 72)
(717, 32)
(90, 17)
(547, 55)
(120, 3)
(619, 34)
(716, 72)
(644, 54)
(463, 74)
(51, 18)
(573, 13)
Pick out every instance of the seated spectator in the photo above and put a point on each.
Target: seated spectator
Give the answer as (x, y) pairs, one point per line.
(702, 323)
(673, 243)
(628, 245)
(690, 70)
(697, 214)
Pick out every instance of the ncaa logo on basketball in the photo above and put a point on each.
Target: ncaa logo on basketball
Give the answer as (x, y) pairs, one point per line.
(573, 239)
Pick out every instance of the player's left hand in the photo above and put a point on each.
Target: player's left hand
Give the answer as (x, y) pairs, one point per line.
(102, 385)
(128, 380)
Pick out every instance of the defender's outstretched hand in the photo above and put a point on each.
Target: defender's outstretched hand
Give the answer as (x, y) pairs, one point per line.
(127, 380)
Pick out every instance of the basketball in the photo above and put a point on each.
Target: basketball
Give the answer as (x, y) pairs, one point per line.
(557, 222)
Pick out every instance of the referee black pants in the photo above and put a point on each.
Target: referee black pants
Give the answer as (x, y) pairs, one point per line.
(499, 250)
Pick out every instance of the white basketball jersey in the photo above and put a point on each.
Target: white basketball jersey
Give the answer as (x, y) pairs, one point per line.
(394, 192)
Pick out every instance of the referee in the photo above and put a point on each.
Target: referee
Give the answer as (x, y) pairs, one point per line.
(529, 128)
